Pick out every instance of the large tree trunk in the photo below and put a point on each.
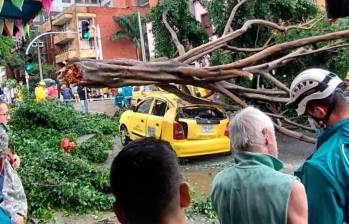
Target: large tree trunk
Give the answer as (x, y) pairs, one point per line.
(167, 74)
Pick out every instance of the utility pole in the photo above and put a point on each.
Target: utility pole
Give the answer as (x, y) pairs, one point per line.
(30, 45)
(40, 65)
(141, 35)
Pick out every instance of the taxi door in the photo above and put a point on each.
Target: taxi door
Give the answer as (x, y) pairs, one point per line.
(139, 119)
(156, 118)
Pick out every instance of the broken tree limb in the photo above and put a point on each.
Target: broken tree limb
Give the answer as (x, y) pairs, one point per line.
(167, 73)
(220, 88)
(264, 97)
(173, 89)
(276, 82)
(290, 122)
(236, 88)
(228, 27)
(174, 37)
(282, 47)
(295, 134)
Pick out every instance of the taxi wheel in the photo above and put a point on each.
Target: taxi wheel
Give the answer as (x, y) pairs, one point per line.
(125, 139)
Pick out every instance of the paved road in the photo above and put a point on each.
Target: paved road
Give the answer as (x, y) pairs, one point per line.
(198, 171)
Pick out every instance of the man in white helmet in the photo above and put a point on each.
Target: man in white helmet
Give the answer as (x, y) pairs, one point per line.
(325, 174)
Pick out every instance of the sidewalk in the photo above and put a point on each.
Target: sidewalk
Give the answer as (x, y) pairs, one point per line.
(99, 106)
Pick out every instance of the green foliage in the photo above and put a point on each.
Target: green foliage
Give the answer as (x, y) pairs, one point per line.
(129, 30)
(220, 57)
(290, 11)
(202, 206)
(52, 179)
(100, 145)
(337, 61)
(6, 44)
(11, 83)
(273, 10)
(188, 30)
(35, 73)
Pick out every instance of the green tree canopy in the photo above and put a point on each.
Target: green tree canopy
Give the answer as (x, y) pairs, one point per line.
(188, 30)
(6, 44)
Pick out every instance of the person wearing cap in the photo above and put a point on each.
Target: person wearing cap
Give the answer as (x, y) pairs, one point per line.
(40, 92)
(325, 174)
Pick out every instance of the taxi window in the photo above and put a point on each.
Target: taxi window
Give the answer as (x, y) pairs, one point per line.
(136, 88)
(144, 106)
(159, 108)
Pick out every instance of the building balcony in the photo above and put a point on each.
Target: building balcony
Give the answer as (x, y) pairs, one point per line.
(61, 19)
(63, 38)
(66, 55)
(45, 27)
(88, 53)
(86, 15)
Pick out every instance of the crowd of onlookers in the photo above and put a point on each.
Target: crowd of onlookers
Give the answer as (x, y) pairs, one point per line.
(148, 187)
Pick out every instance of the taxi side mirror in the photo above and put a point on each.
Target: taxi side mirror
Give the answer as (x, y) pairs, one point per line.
(134, 108)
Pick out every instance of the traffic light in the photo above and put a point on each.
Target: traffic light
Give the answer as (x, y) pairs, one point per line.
(85, 30)
(28, 65)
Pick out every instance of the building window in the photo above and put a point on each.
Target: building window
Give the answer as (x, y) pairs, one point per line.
(78, 1)
(142, 2)
(66, 1)
(206, 23)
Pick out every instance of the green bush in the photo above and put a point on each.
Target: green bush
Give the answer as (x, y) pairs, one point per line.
(99, 145)
(54, 180)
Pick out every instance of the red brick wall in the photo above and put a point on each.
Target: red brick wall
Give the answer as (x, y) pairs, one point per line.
(104, 18)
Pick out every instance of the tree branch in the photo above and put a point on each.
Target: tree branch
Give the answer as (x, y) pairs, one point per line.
(295, 134)
(281, 47)
(228, 27)
(173, 89)
(230, 36)
(233, 48)
(220, 88)
(236, 88)
(265, 98)
(174, 37)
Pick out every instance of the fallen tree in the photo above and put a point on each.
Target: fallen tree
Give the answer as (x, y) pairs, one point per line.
(167, 74)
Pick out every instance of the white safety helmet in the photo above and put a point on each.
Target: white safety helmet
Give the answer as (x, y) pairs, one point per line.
(312, 84)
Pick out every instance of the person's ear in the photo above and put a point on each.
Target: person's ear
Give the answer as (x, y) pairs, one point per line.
(319, 112)
(184, 195)
(266, 136)
(119, 212)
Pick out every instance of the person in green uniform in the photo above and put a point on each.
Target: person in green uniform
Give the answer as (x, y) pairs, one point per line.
(253, 190)
(325, 174)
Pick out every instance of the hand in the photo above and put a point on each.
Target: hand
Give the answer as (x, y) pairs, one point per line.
(20, 219)
(16, 161)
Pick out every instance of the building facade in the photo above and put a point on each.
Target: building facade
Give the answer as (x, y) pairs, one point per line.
(61, 47)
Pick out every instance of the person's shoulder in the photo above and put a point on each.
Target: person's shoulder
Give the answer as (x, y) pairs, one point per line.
(224, 175)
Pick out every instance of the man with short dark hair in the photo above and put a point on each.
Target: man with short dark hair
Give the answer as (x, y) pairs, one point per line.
(325, 174)
(147, 184)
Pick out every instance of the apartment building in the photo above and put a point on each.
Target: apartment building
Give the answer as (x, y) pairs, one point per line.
(62, 47)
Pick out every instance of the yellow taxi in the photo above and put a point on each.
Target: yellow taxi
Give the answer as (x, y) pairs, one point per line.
(139, 92)
(191, 129)
(197, 91)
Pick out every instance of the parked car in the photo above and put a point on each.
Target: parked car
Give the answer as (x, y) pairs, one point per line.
(140, 92)
(191, 129)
